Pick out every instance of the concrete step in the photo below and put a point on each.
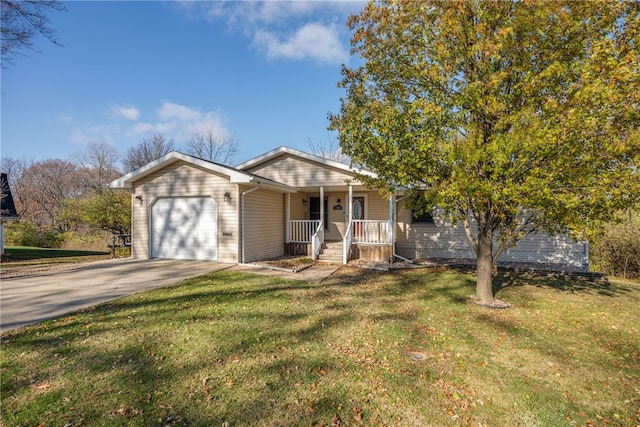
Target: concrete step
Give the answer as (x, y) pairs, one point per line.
(329, 251)
(332, 245)
(330, 259)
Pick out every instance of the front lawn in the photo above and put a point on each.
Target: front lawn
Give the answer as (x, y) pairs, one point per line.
(361, 348)
(25, 256)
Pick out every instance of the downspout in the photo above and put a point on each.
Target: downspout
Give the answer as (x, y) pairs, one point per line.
(395, 209)
(242, 214)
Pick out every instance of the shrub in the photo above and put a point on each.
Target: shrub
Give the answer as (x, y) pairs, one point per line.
(617, 250)
(84, 241)
(25, 233)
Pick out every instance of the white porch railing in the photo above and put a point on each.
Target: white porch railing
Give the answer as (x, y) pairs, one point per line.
(316, 241)
(302, 231)
(371, 231)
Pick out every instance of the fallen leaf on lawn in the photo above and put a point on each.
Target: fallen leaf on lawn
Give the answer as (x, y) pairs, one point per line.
(357, 414)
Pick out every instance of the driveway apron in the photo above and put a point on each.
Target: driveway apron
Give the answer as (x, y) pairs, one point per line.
(32, 299)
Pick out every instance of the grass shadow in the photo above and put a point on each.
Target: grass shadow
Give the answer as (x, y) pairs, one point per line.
(574, 283)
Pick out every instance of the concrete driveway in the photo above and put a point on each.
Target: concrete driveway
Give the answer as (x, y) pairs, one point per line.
(32, 299)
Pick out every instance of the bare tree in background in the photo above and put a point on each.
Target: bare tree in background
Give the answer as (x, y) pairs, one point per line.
(148, 150)
(330, 149)
(97, 164)
(22, 21)
(48, 184)
(210, 145)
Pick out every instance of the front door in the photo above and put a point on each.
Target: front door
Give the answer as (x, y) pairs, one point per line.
(357, 212)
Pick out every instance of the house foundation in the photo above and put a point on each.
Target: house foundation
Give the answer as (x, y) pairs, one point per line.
(374, 252)
(297, 249)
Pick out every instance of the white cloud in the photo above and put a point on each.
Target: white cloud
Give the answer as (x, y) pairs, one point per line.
(298, 30)
(123, 125)
(127, 112)
(170, 111)
(312, 41)
(141, 128)
(183, 120)
(276, 12)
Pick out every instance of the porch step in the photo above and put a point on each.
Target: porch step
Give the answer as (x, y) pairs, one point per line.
(331, 252)
(333, 259)
(332, 245)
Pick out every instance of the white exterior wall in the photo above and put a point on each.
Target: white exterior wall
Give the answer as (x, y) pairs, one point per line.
(442, 240)
(183, 180)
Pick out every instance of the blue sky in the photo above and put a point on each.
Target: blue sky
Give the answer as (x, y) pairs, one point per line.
(263, 73)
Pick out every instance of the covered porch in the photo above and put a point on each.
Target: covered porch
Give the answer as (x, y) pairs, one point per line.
(345, 221)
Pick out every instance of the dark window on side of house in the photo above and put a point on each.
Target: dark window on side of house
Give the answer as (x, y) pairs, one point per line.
(424, 218)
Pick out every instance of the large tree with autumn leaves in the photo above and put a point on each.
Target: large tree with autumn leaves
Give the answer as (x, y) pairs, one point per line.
(513, 117)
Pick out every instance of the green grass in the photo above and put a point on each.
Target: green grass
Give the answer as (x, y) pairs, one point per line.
(30, 256)
(254, 350)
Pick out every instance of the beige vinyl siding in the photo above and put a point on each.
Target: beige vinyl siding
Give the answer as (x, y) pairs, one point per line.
(337, 218)
(183, 180)
(264, 224)
(378, 207)
(298, 172)
(443, 240)
(299, 210)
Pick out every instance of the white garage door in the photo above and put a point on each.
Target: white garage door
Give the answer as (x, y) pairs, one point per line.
(184, 228)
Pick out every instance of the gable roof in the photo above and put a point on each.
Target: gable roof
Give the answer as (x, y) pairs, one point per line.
(256, 161)
(7, 208)
(235, 175)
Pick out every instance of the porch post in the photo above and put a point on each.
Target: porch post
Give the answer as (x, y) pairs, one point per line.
(322, 213)
(349, 217)
(287, 219)
(392, 218)
(346, 243)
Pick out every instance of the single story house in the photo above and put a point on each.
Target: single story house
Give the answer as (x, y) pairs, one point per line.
(290, 202)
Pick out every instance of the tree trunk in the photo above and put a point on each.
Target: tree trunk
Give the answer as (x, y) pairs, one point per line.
(484, 266)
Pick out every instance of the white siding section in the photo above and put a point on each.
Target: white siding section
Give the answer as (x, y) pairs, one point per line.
(442, 240)
(264, 225)
(183, 180)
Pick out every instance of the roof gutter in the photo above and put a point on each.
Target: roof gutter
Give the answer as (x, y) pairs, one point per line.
(242, 214)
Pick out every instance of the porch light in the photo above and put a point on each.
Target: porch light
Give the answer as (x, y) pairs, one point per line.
(304, 202)
(139, 200)
(227, 198)
(338, 201)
